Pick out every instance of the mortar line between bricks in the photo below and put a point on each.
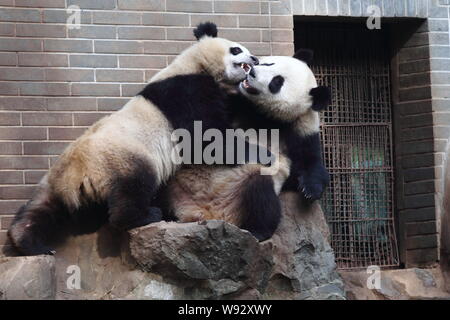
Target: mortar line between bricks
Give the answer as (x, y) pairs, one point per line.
(140, 12)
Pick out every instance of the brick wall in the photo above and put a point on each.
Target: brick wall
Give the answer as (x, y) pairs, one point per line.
(56, 81)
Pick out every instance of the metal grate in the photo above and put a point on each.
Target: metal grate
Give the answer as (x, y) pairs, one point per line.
(357, 142)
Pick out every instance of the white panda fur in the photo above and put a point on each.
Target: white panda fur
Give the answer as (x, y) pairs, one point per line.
(113, 170)
(204, 193)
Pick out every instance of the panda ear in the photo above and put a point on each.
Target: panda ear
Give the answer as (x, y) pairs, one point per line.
(321, 98)
(206, 29)
(305, 55)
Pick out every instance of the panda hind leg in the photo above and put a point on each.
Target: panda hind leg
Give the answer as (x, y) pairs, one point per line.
(129, 202)
(262, 207)
(39, 226)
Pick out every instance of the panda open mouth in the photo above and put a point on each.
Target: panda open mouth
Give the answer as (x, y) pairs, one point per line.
(244, 66)
(247, 87)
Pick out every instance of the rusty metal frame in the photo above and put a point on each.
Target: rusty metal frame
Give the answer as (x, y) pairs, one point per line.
(357, 142)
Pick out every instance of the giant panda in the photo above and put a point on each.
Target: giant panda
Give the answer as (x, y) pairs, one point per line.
(113, 171)
(279, 92)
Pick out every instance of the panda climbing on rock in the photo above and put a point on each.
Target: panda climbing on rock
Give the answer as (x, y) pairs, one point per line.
(278, 93)
(113, 171)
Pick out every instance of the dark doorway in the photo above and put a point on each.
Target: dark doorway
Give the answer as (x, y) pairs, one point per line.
(357, 140)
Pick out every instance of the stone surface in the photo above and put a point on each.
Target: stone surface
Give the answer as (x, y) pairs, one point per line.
(27, 278)
(401, 284)
(304, 266)
(212, 254)
(199, 260)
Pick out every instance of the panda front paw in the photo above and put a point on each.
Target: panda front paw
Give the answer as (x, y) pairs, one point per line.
(312, 187)
(310, 190)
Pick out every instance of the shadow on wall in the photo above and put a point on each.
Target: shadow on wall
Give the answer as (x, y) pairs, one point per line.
(445, 218)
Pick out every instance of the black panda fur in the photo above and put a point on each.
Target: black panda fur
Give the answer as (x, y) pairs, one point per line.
(207, 29)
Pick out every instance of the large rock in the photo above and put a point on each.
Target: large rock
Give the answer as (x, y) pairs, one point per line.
(214, 255)
(199, 260)
(400, 284)
(304, 265)
(27, 278)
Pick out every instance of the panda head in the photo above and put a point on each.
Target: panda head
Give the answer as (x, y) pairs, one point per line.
(285, 87)
(225, 60)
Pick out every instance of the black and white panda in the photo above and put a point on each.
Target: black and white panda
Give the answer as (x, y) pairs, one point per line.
(282, 93)
(112, 172)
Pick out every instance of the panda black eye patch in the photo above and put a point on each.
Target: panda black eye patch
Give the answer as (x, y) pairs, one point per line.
(235, 51)
(276, 84)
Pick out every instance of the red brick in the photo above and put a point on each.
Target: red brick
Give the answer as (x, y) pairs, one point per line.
(190, 6)
(241, 35)
(46, 119)
(111, 104)
(95, 89)
(10, 148)
(6, 222)
(11, 177)
(421, 228)
(9, 88)
(93, 32)
(236, 6)
(23, 133)
(68, 45)
(3, 238)
(93, 4)
(71, 104)
(147, 5)
(41, 3)
(44, 148)
(165, 19)
(43, 59)
(22, 104)
(17, 73)
(111, 75)
(8, 59)
(254, 21)
(167, 47)
(130, 90)
(65, 133)
(44, 89)
(141, 33)
(7, 29)
(8, 207)
(142, 62)
(16, 192)
(40, 30)
(9, 119)
(180, 34)
(87, 119)
(118, 46)
(219, 20)
(23, 162)
(34, 177)
(78, 75)
(93, 61)
(108, 17)
(14, 44)
(20, 15)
